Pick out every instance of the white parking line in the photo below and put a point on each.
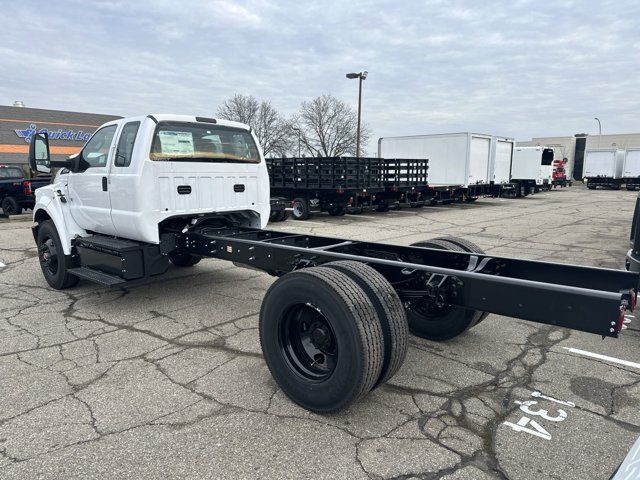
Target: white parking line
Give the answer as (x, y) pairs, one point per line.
(626, 363)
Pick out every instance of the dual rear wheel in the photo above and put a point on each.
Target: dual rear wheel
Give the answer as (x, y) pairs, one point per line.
(331, 334)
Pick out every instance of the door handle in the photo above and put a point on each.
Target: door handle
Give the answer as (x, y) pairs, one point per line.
(104, 184)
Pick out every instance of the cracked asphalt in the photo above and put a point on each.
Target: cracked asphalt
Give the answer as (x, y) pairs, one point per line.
(166, 380)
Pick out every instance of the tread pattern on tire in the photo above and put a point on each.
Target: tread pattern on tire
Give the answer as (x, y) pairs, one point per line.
(390, 312)
(366, 322)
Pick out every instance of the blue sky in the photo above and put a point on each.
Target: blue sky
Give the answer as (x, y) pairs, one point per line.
(518, 68)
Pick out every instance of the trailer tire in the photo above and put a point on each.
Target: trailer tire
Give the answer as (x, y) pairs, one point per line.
(321, 338)
(450, 323)
(384, 207)
(184, 259)
(10, 206)
(300, 209)
(356, 210)
(337, 211)
(393, 318)
(53, 261)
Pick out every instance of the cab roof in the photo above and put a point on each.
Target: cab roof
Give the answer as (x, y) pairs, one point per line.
(167, 117)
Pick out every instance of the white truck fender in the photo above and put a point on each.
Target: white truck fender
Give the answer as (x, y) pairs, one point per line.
(48, 206)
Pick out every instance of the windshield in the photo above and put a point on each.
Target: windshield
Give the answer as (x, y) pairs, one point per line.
(198, 142)
(10, 172)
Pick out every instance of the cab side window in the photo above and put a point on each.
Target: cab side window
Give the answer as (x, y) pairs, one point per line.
(96, 151)
(125, 144)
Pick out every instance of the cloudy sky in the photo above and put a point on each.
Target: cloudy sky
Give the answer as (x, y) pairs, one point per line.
(516, 68)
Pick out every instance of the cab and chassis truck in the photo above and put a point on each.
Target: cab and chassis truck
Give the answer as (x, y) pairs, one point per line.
(148, 191)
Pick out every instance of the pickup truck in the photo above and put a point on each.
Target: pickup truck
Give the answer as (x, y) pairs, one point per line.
(16, 191)
(148, 191)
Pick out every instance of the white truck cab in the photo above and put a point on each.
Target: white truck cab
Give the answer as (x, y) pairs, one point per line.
(137, 175)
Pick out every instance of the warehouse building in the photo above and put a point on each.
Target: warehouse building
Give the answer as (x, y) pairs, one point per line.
(573, 147)
(68, 131)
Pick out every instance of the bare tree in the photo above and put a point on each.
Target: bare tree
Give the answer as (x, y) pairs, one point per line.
(328, 127)
(272, 130)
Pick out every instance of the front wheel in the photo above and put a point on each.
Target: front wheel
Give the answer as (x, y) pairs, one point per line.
(53, 261)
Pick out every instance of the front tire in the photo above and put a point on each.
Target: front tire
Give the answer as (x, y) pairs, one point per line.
(321, 338)
(10, 206)
(53, 261)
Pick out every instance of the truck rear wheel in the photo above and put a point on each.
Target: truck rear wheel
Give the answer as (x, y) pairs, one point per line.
(389, 309)
(53, 261)
(300, 209)
(442, 323)
(184, 259)
(467, 246)
(383, 207)
(337, 211)
(10, 206)
(321, 338)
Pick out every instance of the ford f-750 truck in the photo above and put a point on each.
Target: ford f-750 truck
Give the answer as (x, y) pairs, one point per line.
(150, 190)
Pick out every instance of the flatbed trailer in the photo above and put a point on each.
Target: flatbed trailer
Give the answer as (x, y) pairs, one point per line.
(340, 185)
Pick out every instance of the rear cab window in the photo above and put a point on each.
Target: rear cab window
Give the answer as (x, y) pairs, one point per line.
(125, 144)
(199, 142)
(11, 172)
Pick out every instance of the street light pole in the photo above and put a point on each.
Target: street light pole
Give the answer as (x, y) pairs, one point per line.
(599, 130)
(361, 76)
(298, 130)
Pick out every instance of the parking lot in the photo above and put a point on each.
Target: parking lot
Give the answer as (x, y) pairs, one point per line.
(166, 380)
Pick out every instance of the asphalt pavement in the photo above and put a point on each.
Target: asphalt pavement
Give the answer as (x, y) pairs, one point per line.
(166, 380)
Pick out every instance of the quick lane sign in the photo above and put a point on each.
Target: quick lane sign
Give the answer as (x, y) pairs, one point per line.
(60, 134)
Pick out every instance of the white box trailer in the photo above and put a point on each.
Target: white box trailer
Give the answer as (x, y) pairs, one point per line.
(631, 169)
(531, 169)
(603, 167)
(501, 157)
(456, 160)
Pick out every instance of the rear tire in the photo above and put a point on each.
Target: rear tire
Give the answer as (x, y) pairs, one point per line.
(390, 311)
(467, 246)
(53, 261)
(382, 207)
(184, 259)
(449, 322)
(300, 209)
(321, 338)
(10, 206)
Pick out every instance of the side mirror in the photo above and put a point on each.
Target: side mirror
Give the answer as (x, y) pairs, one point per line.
(39, 157)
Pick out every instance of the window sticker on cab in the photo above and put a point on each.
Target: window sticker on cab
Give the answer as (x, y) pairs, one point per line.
(173, 142)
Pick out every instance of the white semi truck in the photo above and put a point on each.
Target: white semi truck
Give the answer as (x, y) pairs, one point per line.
(148, 191)
(603, 167)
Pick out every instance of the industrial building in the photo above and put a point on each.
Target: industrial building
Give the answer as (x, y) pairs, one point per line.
(68, 131)
(573, 147)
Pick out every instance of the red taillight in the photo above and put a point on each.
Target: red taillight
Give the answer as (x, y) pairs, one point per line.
(620, 319)
(26, 186)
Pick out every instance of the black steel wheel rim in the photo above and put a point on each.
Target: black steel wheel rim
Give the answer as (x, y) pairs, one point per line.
(308, 343)
(49, 256)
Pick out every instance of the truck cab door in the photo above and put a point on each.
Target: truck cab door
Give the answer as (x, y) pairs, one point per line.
(88, 187)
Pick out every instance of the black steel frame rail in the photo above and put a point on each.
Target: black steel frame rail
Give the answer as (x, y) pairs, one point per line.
(582, 298)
